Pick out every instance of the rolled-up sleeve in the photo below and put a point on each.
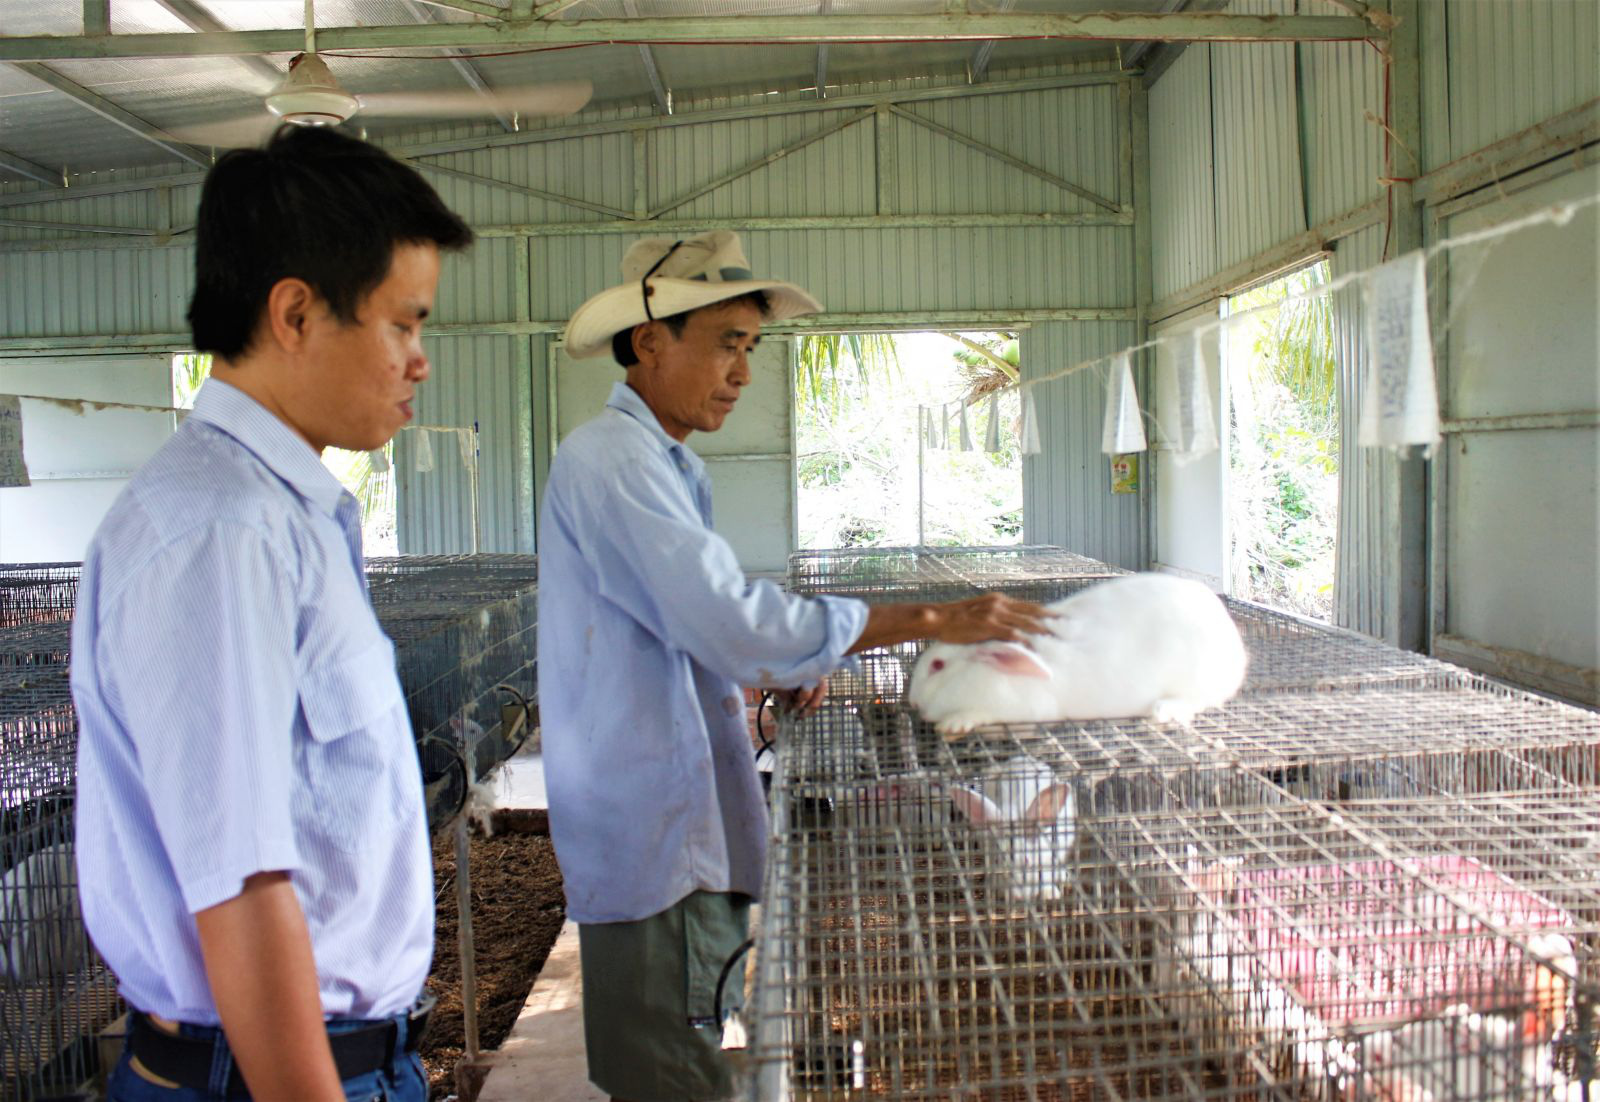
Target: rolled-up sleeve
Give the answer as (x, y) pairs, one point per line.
(682, 582)
(201, 656)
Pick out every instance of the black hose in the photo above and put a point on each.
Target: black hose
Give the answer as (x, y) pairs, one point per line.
(722, 980)
(527, 717)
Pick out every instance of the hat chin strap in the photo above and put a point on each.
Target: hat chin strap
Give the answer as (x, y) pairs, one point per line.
(644, 283)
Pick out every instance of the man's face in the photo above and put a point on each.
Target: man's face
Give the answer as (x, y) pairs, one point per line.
(353, 386)
(691, 382)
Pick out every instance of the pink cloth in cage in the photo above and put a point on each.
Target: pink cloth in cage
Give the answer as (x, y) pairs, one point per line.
(1366, 942)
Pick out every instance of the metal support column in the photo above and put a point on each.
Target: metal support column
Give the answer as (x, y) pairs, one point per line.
(1407, 539)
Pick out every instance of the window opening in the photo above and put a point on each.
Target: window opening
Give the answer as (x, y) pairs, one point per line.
(1283, 450)
(869, 476)
(370, 481)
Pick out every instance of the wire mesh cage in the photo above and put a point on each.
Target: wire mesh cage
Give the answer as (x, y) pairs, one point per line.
(857, 570)
(463, 627)
(33, 593)
(55, 993)
(994, 936)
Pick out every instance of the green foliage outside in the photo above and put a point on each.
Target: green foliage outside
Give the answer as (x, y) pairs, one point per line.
(857, 402)
(1283, 480)
(356, 471)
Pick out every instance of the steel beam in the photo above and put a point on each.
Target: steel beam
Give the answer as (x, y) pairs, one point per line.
(952, 27)
(1137, 52)
(112, 113)
(470, 7)
(1263, 265)
(761, 162)
(627, 126)
(522, 189)
(553, 8)
(1556, 136)
(999, 155)
(24, 167)
(652, 71)
(195, 17)
(684, 227)
(79, 227)
(823, 8)
(840, 322)
(466, 70)
(96, 17)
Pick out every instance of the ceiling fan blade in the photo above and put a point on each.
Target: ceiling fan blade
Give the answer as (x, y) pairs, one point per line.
(536, 100)
(241, 132)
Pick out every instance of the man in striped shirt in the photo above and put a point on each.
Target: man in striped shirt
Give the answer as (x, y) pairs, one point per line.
(251, 836)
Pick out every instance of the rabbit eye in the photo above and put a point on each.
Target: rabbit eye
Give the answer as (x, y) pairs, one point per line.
(936, 665)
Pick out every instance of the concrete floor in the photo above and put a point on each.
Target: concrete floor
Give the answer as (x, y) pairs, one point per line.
(543, 1057)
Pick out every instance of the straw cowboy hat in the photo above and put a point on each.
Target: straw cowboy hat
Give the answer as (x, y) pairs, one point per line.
(661, 277)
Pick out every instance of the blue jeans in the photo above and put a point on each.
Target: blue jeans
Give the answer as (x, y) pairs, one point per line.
(402, 1081)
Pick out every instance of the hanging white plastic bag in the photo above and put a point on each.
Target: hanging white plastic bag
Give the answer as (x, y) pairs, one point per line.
(991, 435)
(1030, 426)
(966, 430)
(424, 457)
(1124, 430)
(13, 468)
(1401, 402)
(379, 460)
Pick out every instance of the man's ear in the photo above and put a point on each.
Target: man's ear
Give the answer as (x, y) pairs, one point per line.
(647, 337)
(288, 313)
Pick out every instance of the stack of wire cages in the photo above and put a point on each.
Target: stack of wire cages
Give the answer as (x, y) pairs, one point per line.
(464, 629)
(56, 995)
(864, 570)
(1397, 898)
(1370, 876)
(36, 603)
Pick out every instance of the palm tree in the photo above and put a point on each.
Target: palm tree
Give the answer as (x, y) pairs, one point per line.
(820, 356)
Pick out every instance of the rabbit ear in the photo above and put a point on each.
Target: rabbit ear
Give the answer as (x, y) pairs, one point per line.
(977, 807)
(1047, 805)
(1012, 659)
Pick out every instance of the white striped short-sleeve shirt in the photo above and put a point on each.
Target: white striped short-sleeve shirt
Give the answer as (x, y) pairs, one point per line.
(240, 712)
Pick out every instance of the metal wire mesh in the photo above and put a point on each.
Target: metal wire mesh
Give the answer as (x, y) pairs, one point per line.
(36, 643)
(1336, 886)
(462, 625)
(55, 993)
(37, 592)
(1265, 947)
(864, 570)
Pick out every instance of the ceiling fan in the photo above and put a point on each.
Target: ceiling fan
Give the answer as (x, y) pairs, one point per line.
(310, 95)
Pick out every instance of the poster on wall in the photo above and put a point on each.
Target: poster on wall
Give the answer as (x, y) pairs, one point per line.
(13, 471)
(1125, 474)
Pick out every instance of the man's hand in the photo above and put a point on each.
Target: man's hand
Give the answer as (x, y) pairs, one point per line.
(258, 960)
(975, 620)
(801, 702)
(991, 616)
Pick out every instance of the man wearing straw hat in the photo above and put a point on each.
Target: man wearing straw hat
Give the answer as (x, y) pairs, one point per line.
(647, 630)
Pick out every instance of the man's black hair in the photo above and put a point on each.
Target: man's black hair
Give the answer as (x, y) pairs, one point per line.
(317, 205)
(622, 341)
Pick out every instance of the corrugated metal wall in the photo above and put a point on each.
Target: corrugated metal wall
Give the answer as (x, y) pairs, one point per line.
(1514, 63)
(1078, 133)
(1183, 216)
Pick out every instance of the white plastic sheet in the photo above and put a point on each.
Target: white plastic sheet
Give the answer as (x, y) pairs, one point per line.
(1195, 428)
(1030, 426)
(13, 470)
(1401, 403)
(424, 456)
(966, 430)
(991, 435)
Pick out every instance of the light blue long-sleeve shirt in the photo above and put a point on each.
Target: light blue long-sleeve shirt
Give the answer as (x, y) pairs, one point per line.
(239, 712)
(647, 631)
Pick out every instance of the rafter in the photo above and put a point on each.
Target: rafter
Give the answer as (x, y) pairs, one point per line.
(471, 7)
(1183, 27)
(823, 7)
(96, 16)
(978, 64)
(554, 8)
(112, 113)
(24, 167)
(652, 71)
(195, 17)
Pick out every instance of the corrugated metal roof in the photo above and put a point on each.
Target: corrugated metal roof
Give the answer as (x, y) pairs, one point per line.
(49, 128)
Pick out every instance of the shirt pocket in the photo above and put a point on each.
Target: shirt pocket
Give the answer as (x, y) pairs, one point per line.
(359, 754)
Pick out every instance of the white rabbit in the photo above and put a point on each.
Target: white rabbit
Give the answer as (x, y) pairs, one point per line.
(1031, 819)
(39, 919)
(1143, 645)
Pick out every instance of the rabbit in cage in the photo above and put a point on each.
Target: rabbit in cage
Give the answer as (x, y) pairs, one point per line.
(1030, 819)
(1144, 645)
(39, 922)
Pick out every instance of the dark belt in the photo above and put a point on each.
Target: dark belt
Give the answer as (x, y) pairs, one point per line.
(187, 1061)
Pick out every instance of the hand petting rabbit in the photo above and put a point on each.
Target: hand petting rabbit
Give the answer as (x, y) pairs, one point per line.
(1143, 645)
